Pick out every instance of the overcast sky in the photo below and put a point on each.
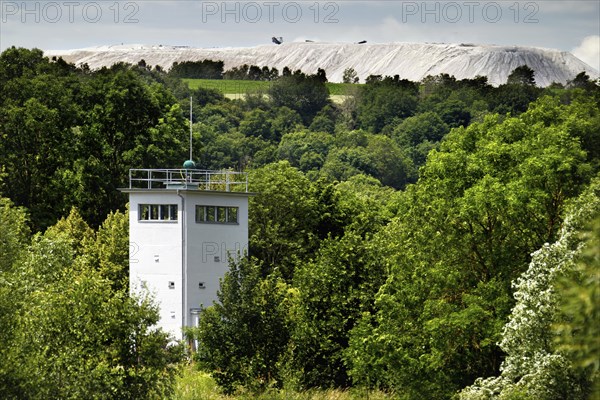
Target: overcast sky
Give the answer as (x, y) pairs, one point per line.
(59, 25)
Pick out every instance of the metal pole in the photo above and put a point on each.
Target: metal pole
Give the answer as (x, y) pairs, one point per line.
(191, 128)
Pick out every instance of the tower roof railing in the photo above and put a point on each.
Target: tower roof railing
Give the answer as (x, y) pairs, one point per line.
(196, 179)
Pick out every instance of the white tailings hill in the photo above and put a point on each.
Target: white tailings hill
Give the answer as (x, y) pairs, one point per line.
(412, 61)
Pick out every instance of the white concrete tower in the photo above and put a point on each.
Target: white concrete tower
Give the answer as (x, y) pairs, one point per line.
(184, 224)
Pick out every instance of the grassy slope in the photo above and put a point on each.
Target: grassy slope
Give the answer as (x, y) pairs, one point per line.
(227, 86)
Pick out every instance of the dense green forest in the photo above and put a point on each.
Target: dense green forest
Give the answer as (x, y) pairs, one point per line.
(429, 240)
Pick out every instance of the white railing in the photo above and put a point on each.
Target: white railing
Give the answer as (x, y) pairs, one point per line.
(224, 181)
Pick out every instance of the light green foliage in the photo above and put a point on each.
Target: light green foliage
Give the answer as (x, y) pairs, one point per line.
(533, 365)
(14, 233)
(69, 334)
(366, 203)
(195, 384)
(110, 251)
(74, 230)
(492, 194)
(14, 239)
(578, 330)
(283, 217)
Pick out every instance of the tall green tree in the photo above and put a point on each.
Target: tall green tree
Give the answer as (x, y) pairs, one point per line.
(37, 113)
(242, 336)
(515, 96)
(338, 285)
(70, 135)
(14, 239)
(283, 217)
(522, 75)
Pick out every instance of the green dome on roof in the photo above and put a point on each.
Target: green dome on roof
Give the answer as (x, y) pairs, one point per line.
(189, 164)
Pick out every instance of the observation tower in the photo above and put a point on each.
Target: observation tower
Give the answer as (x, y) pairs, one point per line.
(184, 225)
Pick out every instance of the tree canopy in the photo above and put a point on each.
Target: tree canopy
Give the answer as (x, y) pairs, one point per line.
(433, 239)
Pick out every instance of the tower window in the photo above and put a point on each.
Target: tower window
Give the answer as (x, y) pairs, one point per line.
(157, 212)
(217, 214)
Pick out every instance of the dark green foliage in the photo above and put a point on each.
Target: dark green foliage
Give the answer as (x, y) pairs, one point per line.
(201, 97)
(520, 90)
(419, 134)
(321, 75)
(230, 138)
(252, 72)
(242, 336)
(255, 123)
(325, 120)
(382, 102)
(533, 363)
(284, 120)
(582, 81)
(206, 69)
(333, 292)
(454, 113)
(304, 149)
(337, 286)
(69, 136)
(37, 114)
(350, 76)
(513, 99)
(304, 94)
(522, 75)
(374, 155)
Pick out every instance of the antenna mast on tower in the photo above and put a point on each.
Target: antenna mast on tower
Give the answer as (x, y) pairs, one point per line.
(191, 128)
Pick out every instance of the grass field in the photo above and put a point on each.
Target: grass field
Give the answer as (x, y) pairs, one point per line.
(196, 385)
(227, 86)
